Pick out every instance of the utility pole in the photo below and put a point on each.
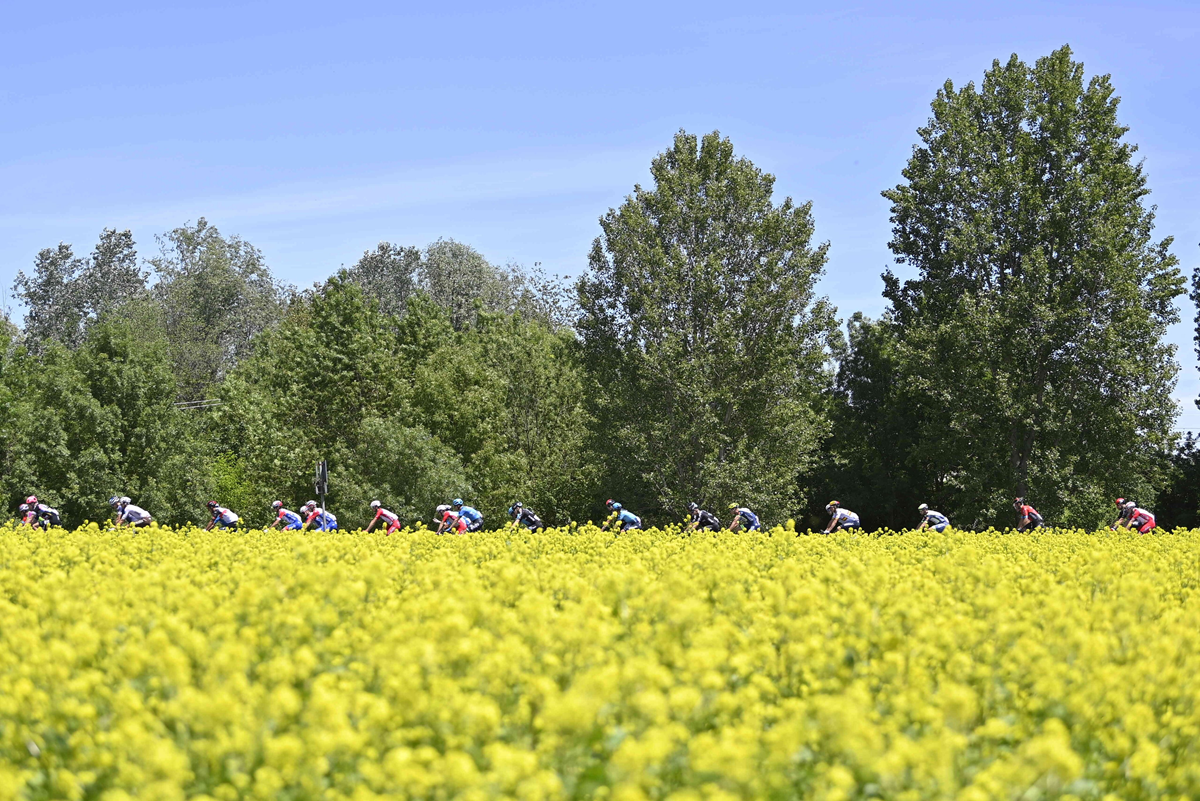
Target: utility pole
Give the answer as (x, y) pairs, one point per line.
(321, 485)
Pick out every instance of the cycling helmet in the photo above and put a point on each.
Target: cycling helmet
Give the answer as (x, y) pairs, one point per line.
(310, 504)
(1018, 501)
(923, 507)
(31, 500)
(212, 504)
(125, 499)
(1130, 505)
(444, 507)
(375, 504)
(735, 506)
(829, 507)
(692, 507)
(616, 507)
(457, 502)
(609, 503)
(1120, 501)
(518, 505)
(23, 508)
(276, 504)
(114, 501)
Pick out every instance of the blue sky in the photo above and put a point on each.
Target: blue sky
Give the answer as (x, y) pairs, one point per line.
(316, 131)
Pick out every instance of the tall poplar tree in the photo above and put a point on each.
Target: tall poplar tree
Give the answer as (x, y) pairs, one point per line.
(702, 330)
(1033, 330)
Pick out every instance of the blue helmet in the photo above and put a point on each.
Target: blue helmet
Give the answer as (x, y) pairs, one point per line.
(113, 501)
(616, 507)
(456, 502)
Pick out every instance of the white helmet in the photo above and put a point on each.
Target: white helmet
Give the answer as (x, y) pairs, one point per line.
(375, 504)
(125, 500)
(923, 507)
(310, 505)
(1130, 505)
(277, 504)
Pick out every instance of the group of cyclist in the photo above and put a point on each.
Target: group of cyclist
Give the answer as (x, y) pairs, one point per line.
(457, 517)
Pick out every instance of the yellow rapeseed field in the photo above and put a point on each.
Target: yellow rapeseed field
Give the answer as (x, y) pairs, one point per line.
(580, 664)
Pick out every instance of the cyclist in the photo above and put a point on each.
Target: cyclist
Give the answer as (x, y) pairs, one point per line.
(291, 521)
(932, 520)
(390, 519)
(42, 515)
(620, 516)
(221, 516)
(1030, 519)
(520, 514)
(128, 514)
(743, 518)
(701, 519)
(841, 518)
(473, 516)
(1141, 519)
(1124, 510)
(450, 519)
(28, 516)
(325, 520)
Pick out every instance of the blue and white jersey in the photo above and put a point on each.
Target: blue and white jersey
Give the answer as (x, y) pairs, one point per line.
(936, 519)
(470, 515)
(749, 519)
(291, 520)
(846, 519)
(134, 514)
(325, 521)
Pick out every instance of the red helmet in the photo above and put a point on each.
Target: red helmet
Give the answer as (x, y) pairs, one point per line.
(1120, 501)
(609, 503)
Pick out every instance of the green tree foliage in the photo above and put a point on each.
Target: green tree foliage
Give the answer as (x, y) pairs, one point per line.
(408, 410)
(704, 338)
(216, 295)
(387, 275)
(67, 293)
(81, 426)
(877, 464)
(1032, 334)
(1178, 505)
(457, 277)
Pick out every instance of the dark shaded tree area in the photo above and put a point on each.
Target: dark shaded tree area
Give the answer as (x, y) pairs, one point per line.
(1022, 351)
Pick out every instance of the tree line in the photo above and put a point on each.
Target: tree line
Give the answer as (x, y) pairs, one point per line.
(1022, 350)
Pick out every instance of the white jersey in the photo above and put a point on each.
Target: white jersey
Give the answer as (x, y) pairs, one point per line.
(134, 514)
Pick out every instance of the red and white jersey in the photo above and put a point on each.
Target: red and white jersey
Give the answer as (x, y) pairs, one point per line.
(390, 518)
(1140, 517)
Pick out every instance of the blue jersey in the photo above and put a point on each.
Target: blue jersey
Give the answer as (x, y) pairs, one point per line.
(749, 518)
(470, 515)
(628, 520)
(291, 520)
(934, 519)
